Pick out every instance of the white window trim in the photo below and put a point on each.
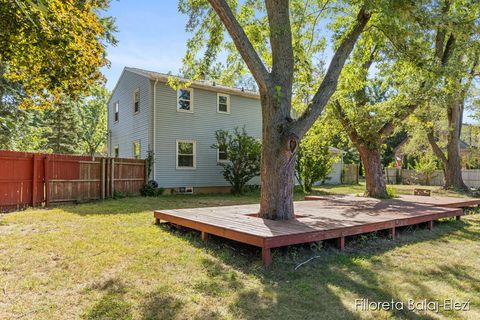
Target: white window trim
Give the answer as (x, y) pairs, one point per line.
(228, 103)
(191, 100)
(116, 147)
(139, 149)
(115, 104)
(133, 99)
(218, 157)
(194, 154)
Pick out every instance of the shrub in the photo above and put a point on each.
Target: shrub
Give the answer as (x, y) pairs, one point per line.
(242, 157)
(391, 192)
(151, 189)
(314, 161)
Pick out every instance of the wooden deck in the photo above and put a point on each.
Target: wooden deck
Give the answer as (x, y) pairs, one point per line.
(331, 218)
(435, 201)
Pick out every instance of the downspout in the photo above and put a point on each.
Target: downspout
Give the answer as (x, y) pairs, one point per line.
(154, 125)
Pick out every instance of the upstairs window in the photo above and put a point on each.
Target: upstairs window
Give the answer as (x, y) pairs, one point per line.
(223, 103)
(115, 110)
(136, 149)
(116, 151)
(222, 154)
(186, 150)
(184, 100)
(136, 100)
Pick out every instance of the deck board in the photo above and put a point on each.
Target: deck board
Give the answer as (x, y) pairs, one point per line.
(327, 218)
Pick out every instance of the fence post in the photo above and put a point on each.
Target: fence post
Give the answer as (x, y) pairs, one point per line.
(112, 176)
(102, 166)
(47, 183)
(34, 180)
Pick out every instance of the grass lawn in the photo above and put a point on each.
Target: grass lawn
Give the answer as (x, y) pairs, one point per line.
(107, 260)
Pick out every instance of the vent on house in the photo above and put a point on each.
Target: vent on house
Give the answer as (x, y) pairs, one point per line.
(185, 190)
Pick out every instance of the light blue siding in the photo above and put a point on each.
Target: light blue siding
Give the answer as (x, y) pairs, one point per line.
(131, 126)
(199, 126)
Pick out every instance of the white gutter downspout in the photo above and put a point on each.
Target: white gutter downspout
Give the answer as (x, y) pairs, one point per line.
(154, 125)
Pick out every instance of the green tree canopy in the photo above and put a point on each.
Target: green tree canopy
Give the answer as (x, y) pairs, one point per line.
(53, 47)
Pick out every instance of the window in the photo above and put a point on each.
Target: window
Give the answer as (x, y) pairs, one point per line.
(115, 107)
(136, 149)
(222, 154)
(186, 150)
(185, 100)
(223, 103)
(136, 100)
(116, 151)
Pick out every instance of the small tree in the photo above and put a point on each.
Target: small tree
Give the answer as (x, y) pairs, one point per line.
(314, 161)
(426, 166)
(241, 153)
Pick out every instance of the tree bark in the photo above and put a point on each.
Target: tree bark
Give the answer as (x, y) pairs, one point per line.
(375, 181)
(277, 173)
(452, 167)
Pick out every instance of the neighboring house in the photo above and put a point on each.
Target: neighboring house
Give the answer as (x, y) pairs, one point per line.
(178, 126)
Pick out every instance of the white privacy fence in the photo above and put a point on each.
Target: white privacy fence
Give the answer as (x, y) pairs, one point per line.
(471, 177)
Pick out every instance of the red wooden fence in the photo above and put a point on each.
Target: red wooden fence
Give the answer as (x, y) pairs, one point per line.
(32, 179)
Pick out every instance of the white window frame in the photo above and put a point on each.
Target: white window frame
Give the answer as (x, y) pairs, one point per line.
(194, 154)
(218, 156)
(139, 149)
(218, 103)
(116, 147)
(133, 98)
(191, 100)
(116, 110)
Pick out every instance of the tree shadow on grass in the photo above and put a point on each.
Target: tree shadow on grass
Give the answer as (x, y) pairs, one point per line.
(324, 289)
(112, 304)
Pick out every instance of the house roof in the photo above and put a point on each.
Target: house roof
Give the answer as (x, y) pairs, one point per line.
(201, 84)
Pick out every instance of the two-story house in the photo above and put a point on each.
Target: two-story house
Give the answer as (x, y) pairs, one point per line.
(178, 126)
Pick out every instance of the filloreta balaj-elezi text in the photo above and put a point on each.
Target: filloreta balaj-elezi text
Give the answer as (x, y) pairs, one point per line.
(412, 305)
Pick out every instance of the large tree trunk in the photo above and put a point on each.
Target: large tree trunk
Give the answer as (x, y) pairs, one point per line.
(453, 167)
(375, 180)
(278, 164)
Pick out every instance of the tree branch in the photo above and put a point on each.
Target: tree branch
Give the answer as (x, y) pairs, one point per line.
(241, 41)
(281, 42)
(347, 125)
(329, 83)
(436, 149)
(389, 127)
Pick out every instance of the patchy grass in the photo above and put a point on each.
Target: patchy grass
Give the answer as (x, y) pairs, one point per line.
(107, 260)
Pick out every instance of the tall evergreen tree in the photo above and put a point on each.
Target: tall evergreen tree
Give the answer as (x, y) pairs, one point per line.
(62, 127)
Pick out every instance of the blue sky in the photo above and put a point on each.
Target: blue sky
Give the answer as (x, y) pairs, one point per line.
(152, 36)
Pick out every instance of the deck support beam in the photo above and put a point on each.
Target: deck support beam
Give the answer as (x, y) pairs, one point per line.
(430, 225)
(204, 236)
(392, 233)
(266, 257)
(157, 221)
(340, 243)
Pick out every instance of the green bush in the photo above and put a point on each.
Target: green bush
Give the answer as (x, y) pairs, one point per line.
(391, 193)
(242, 157)
(150, 191)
